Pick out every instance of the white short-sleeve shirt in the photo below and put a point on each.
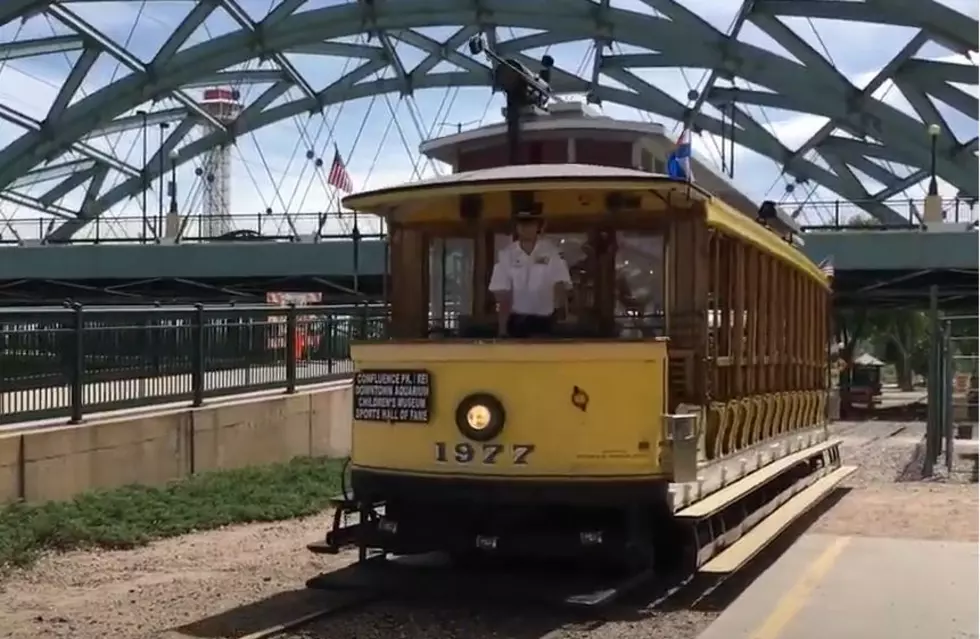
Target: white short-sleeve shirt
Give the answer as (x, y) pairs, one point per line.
(531, 279)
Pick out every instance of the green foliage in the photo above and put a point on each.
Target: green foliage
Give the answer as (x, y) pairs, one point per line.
(862, 220)
(135, 515)
(896, 336)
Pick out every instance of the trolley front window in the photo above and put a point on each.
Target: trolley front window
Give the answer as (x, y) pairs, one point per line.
(450, 282)
(639, 285)
(440, 277)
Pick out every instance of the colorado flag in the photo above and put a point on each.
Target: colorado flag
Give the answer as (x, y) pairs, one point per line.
(679, 160)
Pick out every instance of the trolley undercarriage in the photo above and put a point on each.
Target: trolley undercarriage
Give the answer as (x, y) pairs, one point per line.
(637, 529)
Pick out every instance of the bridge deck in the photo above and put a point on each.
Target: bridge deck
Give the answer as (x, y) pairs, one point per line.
(855, 250)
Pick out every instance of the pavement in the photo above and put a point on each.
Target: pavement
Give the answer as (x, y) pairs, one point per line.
(860, 588)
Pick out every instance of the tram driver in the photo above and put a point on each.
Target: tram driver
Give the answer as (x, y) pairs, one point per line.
(530, 281)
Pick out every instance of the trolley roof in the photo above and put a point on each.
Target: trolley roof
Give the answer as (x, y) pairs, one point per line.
(563, 177)
(566, 118)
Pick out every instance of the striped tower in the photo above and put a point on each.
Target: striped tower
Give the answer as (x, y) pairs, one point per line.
(224, 106)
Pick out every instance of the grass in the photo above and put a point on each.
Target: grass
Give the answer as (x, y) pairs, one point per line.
(135, 515)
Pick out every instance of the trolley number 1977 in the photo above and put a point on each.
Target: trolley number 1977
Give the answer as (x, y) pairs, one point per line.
(465, 453)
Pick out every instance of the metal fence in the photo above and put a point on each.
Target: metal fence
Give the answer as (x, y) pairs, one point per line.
(953, 383)
(192, 229)
(840, 215)
(71, 361)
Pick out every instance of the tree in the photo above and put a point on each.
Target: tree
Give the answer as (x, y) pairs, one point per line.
(850, 326)
(896, 336)
(901, 337)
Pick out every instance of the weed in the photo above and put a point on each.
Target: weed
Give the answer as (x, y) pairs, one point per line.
(134, 515)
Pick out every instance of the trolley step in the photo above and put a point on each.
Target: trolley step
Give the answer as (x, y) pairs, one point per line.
(750, 544)
(723, 497)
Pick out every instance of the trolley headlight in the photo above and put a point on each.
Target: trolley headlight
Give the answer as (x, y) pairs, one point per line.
(480, 417)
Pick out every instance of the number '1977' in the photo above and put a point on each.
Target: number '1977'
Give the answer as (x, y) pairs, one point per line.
(465, 453)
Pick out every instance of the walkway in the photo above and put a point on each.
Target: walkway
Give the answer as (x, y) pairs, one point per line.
(828, 586)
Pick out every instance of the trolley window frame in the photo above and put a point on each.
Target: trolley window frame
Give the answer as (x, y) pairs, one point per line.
(411, 285)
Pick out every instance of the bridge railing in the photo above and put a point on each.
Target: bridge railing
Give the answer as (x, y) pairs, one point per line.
(193, 229)
(66, 362)
(842, 215)
(833, 214)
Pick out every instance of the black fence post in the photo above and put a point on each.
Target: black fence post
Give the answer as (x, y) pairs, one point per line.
(330, 337)
(77, 381)
(362, 329)
(197, 365)
(157, 340)
(949, 379)
(934, 388)
(291, 354)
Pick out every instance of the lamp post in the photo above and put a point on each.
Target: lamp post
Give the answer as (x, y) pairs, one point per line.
(144, 182)
(163, 156)
(171, 225)
(934, 132)
(933, 204)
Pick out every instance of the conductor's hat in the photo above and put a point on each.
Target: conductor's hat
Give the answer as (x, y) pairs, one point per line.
(528, 213)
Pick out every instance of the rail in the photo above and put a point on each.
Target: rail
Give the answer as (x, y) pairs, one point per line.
(259, 227)
(72, 361)
(268, 227)
(846, 215)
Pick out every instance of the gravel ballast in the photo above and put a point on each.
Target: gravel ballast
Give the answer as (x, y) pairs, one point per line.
(152, 592)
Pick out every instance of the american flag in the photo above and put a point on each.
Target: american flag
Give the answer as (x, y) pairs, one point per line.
(827, 266)
(338, 176)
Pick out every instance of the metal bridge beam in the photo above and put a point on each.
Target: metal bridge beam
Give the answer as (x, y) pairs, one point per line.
(52, 172)
(133, 122)
(29, 123)
(33, 203)
(944, 25)
(128, 60)
(40, 46)
(10, 10)
(235, 78)
(683, 39)
(247, 24)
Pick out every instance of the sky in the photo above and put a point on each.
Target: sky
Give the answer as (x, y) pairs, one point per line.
(379, 137)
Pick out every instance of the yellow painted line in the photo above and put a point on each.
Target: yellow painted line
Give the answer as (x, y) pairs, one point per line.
(794, 600)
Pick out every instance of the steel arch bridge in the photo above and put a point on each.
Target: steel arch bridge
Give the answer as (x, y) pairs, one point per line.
(862, 132)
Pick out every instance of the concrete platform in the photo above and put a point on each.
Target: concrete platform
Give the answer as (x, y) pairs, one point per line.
(860, 588)
(152, 448)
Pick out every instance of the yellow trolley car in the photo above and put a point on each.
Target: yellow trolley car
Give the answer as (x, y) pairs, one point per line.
(682, 402)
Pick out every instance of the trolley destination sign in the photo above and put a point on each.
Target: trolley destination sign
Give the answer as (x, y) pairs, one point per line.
(392, 396)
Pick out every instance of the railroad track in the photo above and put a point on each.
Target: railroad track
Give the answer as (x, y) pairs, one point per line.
(717, 585)
(348, 604)
(694, 592)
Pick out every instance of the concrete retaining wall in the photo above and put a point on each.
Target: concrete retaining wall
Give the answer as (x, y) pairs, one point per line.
(154, 448)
